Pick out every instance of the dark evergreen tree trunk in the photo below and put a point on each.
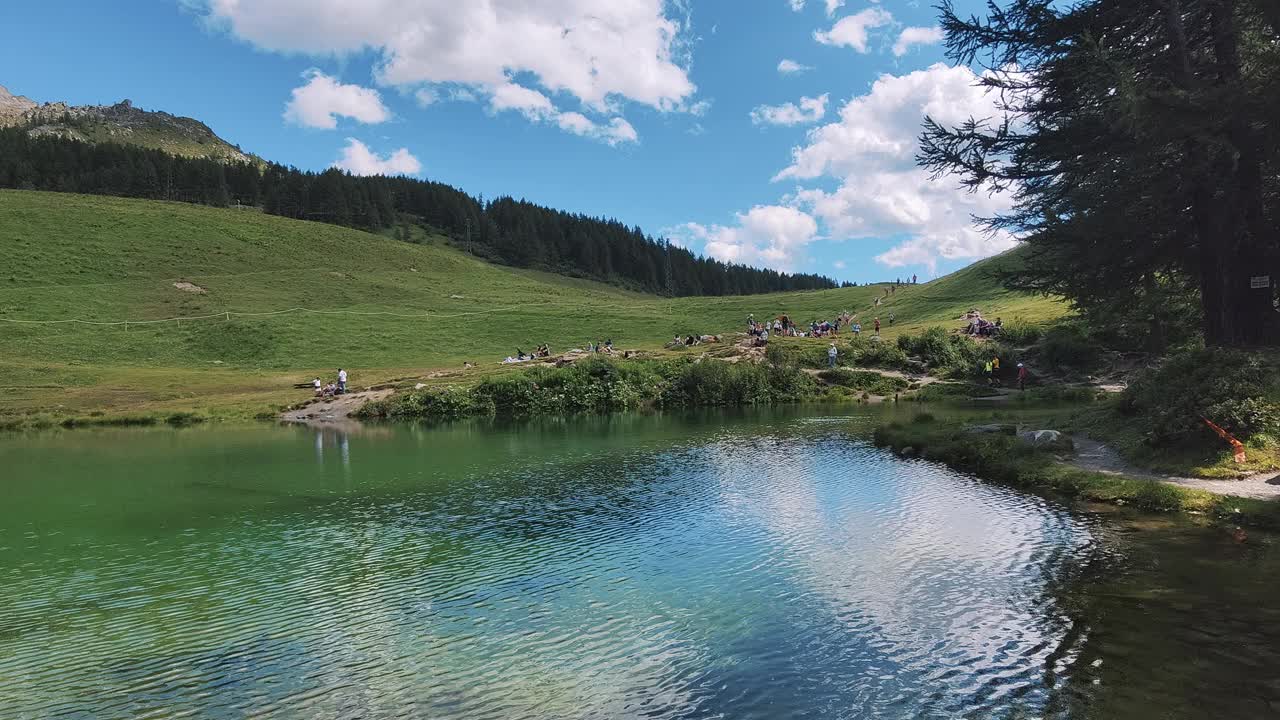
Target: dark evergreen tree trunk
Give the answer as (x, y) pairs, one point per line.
(1236, 312)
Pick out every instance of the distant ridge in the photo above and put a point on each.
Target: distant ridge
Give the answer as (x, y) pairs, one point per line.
(120, 123)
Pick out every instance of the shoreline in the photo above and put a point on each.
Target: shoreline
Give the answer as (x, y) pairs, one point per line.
(998, 456)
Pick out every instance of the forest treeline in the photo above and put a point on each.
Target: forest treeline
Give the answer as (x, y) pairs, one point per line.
(505, 230)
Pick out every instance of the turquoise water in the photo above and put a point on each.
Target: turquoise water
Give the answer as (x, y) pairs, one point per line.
(757, 565)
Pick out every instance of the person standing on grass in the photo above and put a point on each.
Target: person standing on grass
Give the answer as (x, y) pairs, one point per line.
(877, 326)
(890, 318)
(832, 352)
(342, 381)
(1022, 377)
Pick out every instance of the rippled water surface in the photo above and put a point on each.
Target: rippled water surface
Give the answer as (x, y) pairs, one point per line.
(747, 566)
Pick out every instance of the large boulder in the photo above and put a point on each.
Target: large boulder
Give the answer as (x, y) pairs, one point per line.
(1052, 439)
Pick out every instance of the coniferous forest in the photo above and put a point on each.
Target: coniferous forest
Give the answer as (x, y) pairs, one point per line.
(504, 230)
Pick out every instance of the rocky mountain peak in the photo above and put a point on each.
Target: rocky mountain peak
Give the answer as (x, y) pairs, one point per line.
(13, 106)
(120, 123)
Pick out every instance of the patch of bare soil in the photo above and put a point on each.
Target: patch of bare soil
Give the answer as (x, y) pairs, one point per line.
(185, 286)
(335, 409)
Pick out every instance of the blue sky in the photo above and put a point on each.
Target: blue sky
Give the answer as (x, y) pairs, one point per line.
(674, 116)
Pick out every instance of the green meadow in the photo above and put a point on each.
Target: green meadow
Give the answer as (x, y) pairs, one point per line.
(253, 303)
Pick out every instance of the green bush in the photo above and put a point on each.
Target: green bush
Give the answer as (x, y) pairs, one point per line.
(949, 354)
(1020, 333)
(864, 352)
(599, 385)
(942, 392)
(810, 354)
(1069, 346)
(871, 382)
(1238, 390)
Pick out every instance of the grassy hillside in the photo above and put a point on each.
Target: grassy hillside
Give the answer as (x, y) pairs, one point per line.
(383, 309)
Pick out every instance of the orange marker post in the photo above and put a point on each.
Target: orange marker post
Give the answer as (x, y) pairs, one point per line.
(1236, 445)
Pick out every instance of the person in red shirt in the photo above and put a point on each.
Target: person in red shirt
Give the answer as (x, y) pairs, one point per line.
(1022, 376)
(877, 326)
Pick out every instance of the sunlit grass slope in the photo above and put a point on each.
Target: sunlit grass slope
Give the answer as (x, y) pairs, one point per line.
(110, 260)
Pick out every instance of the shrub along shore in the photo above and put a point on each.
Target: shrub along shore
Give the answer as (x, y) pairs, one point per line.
(601, 385)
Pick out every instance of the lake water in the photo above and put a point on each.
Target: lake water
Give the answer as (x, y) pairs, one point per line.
(768, 564)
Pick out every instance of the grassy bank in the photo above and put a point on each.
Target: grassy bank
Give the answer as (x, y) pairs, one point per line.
(386, 310)
(1001, 457)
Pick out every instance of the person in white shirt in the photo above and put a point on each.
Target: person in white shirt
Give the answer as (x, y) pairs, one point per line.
(316, 384)
(832, 352)
(342, 380)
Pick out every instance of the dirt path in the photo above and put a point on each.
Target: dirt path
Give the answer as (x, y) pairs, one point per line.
(334, 410)
(922, 380)
(1093, 455)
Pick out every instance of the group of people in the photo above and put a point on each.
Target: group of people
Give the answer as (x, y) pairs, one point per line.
(992, 370)
(333, 388)
(978, 326)
(785, 327)
(691, 340)
(542, 351)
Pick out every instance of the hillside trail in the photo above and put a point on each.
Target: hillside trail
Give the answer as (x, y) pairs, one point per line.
(1095, 456)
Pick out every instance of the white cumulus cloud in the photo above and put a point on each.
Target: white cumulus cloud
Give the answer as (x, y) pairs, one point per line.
(600, 54)
(870, 152)
(912, 36)
(853, 31)
(832, 5)
(766, 235)
(530, 103)
(790, 67)
(808, 110)
(322, 100)
(358, 159)
(538, 107)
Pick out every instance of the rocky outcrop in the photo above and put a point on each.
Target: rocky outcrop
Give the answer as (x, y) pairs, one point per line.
(121, 123)
(13, 107)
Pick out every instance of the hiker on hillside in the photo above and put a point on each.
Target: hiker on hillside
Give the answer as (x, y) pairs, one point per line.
(318, 386)
(342, 381)
(1022, 377)
(986, 369)
(832, 352)
(913, 280)
(891, 318)
(995, 371)
(877, 326)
